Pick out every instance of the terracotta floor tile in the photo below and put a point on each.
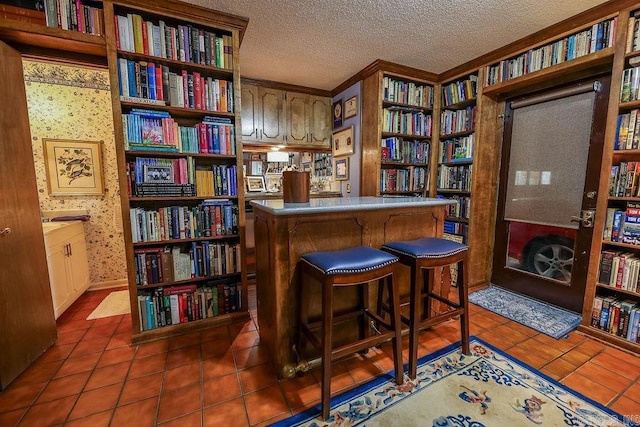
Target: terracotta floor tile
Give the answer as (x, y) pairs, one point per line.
(229, 414)
(182, 376)
(152, 348)
(560, 367)
(94, 401)
(590, 347)
(147, 365)
(56, 353)
(432, 344)
(634, 392)
(589, 388)
(11, 418)
(563, 344)
(266, 403)
(531, 358)
(125, 326)
(627, 407)
(100, 331)
(221, 388)
(141, 388)
(186, 340)
(483, 322)
(15, 397)
(49, 413)
(496, 340)
(238, 328)
(191, 420)
(603, 376)
(63, 387)
(104, 321)
(183, 356)
(143, 412)
(108, 375)
(116, 355)
(551, 374)
(216, 347)
(215, 334)
(217, 366)
(257, 377)
(509, 333)
(80, 326)
(101, 419)
(78, 364)
(300, 391)
(270, 421)
(38, 373)
(613, 363)
(536, 347)
(252, 356)
(246, 339)
(88, 346)
(179, 402)
(522, 329)
(623, 356)
(575, 357)
(119, 340)
(362, 368)
(382, 358)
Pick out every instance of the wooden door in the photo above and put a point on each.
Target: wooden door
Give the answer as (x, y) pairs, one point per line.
(272, 128)
(297, 118)
(320, 120)
(26, 309)
(250, 113)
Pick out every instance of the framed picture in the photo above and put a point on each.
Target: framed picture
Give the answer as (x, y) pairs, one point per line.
(350, 107)
(273, 182)
(337, 114)
(255, 183)
(154, 174)
(342, 169)
(342, 142)
(73, 168)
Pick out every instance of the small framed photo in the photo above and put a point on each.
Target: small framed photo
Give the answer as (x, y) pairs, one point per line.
(342, 142)
(350, 107)
(73, 167)
(342, 169)
(255, 184)
(337, 114)
(273, 182)
(154, 174)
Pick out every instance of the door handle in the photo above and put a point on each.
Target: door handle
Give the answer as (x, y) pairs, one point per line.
(586, 219)
(5, 230)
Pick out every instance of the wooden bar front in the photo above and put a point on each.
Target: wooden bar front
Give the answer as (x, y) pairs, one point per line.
(284, 232)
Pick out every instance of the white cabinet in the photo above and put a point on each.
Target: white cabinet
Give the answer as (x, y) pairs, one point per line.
(67, 262)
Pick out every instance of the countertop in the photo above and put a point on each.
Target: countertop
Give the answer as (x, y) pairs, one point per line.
(266, 195)
(48, 227)
(335, 204)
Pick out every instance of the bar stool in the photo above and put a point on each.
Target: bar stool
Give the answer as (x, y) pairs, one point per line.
(430, 254)
(355, 266)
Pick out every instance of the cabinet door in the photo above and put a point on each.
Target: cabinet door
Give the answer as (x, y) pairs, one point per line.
(297, 118)
(57, 265)
(272, 115)
(251, 125)
(78, 265)
(320, 120)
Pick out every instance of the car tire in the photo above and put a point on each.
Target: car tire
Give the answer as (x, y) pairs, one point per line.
(551, 257)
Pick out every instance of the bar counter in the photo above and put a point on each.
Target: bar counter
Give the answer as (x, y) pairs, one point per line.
(285, 231)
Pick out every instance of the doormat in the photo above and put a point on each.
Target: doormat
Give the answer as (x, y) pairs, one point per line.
(114, 304)
(546, 318)
(486, 388)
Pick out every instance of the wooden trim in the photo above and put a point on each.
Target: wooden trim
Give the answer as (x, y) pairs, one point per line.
(285, 86)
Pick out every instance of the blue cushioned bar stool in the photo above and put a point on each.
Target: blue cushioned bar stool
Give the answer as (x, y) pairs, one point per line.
(355, 266)
(429, 255)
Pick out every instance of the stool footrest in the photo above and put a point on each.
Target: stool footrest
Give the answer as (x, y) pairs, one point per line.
(431, 321)
(365, 343)
(444, 300)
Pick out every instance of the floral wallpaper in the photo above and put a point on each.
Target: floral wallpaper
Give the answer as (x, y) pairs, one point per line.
(73, 102)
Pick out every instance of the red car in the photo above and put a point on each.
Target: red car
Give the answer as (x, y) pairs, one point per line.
(542, 249)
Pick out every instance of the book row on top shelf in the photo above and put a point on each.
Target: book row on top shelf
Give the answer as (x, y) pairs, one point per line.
(83, 16)
(589, 40)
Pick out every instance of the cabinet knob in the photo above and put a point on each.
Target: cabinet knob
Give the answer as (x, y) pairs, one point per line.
(5, 230)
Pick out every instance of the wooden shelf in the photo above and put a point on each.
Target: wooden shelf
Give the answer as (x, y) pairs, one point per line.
(404, 135)
(208, 70)
(621, 245)
(181, 241)
(625, 153)
(400, 164)
(133, 153)
(460, 105)
(178, 199)
(177, 111)
(457, 162)
(457, 219)
(187, 281)
(399, 193)
(43, 37)
(453, 191)
(623, 291)
(456, 135)
(610, 338)
(408, 107)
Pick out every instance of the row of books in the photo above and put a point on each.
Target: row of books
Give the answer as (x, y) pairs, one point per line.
(157, 170)
(404, 151)
(185, 43)
(623, 180)
(75, 15)
(627, 131)
(461, 208)
(160, 132)
(219, 180)
(406, 122)
(619, 269)
(392, 180)
(456, 228)
(633, 33)
(456, 121)
(460, 91)
(173, 305)
(200, 259)
(454, 177)
(457, 149)
(623, 225)
(618, 317)
(209, 218)
(630, 84)
(149, 81)
(408, 93)
(597, 37)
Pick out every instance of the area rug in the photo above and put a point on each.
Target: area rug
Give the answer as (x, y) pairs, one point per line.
(548, 319)
(486, 388)
(114, 304)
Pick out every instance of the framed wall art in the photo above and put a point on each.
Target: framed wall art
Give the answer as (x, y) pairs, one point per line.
(350, 108)
(342, 169)
(74, 168)
(255, 184)
(337, 114)
(342, 142)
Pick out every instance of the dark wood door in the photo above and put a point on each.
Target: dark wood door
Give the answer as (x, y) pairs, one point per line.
(550, 170)
(27, 323)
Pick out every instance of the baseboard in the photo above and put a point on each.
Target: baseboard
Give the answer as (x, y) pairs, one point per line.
(108, 285)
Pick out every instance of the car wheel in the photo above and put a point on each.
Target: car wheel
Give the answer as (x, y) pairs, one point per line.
(551, 257)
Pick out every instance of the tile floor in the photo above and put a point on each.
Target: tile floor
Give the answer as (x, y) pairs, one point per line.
(221, 377)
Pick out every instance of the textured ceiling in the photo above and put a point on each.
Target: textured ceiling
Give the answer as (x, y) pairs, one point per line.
(321, 43)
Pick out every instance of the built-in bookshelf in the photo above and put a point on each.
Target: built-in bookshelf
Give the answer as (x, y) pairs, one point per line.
(83, 16)
(614, 312)
(403, 145)
(177, 111)
(455, 150)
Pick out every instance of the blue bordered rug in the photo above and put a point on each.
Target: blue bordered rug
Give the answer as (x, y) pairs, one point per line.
(485, 388)
(548, 319)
